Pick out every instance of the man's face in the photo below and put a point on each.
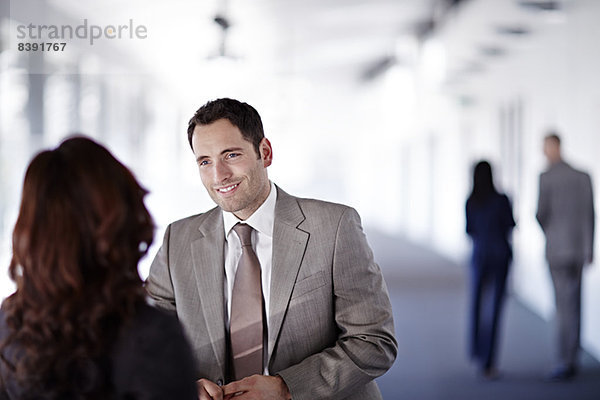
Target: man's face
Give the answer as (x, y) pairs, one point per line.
(231, 171)
(551, 150)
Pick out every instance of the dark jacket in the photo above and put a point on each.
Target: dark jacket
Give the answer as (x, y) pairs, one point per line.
(489, 224)
(151, 360)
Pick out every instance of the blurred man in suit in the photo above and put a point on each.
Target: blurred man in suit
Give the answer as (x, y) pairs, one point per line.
(566, 215)
(326, 329)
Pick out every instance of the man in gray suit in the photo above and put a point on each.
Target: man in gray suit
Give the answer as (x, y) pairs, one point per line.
(328, 328)
(566, 215)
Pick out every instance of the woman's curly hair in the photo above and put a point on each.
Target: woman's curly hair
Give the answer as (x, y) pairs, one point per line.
(81, 230)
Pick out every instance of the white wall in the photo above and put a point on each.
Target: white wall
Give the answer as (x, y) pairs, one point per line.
(548, 78)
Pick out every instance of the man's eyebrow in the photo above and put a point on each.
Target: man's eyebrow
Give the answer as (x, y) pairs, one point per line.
(231, 150)
(228, 150)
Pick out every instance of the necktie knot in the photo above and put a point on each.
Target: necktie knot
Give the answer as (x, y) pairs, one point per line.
(244, 232)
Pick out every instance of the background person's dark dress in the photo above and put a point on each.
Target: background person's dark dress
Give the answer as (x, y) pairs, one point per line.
(489, 224)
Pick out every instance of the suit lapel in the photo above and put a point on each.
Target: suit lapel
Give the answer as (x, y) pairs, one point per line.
(207, 254)
(289, 244)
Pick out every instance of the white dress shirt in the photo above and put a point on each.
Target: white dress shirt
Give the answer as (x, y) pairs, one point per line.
(262, 243)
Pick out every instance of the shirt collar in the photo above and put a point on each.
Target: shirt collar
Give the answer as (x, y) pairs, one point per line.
(262, 220)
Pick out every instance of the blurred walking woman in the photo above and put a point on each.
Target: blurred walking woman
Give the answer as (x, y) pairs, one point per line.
(77, 326)
(489, 224)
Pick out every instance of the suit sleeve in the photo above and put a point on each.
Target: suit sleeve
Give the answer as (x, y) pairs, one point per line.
(543, 208)
(589, 218)
(159, 285)
(365, 347)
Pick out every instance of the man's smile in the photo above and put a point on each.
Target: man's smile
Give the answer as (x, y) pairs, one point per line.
(227, 189)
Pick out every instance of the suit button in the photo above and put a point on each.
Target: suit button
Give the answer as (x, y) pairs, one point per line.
(220, 382)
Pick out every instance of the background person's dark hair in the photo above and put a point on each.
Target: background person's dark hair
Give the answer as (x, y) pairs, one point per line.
(242, 115)
(81, 230)
(553, 135)
(483, 182)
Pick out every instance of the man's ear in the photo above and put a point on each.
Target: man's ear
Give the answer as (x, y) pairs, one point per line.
(266, 152)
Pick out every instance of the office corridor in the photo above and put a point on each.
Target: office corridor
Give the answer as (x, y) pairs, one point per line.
(429, 299)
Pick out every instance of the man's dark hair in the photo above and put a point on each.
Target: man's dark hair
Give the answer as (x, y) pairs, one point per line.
(552, 135)
(241, 115)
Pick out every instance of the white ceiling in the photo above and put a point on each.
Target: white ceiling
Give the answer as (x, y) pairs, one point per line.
(320, 39)
(333, 41)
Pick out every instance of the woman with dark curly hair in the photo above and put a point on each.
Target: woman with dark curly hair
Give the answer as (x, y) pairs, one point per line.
(78, 326)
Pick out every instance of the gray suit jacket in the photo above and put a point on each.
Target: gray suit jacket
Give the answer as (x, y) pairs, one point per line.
(566, 213)
(331, 329)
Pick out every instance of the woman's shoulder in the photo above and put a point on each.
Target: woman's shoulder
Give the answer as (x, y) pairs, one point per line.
(151, 322)
(503, 198)
(151, 334)
(151, 350)
(4, 329)
(498, 197)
